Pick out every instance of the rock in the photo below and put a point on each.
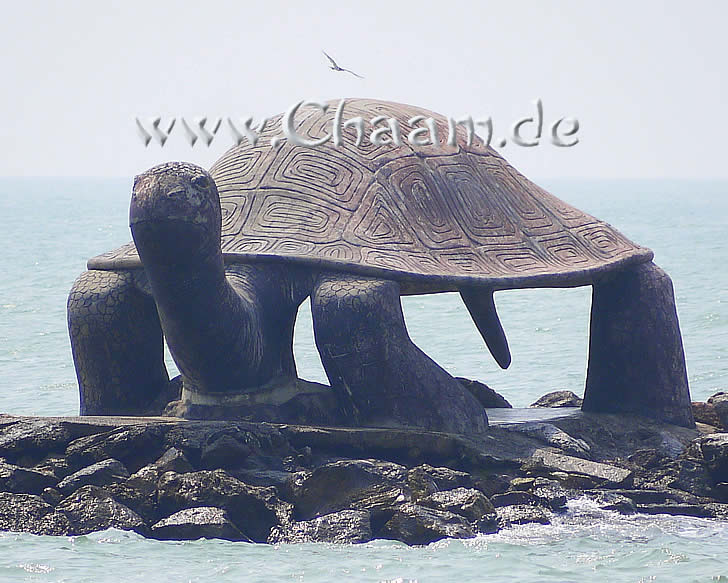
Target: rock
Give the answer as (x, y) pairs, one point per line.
(682, 474)
(424, 480)
(196, 523)
(417, 525)
(610, 500)
(697, 510)
(139, 494)
(350, 484)
(706, 413)
(467, 502)
(173, 460)
(33, 438)
(22, 480)
(134, 446)
(648, 458)
(51, 496)
(226, 450)
(719, 401)
(254, 510)
(343, 527)
(521, 514)
(54, 464)
(513, 498)
(551, 495)
(712, 450)
(277, 478)
(484, 394)
(492, 484)
(30, 513)
(109, 471)
(551, 435)
(560, 466)
(559, 399)
(91, 508)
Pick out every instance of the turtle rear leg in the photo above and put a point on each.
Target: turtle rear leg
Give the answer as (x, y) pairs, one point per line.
(369, 357)
(117, 345)
(636, 358)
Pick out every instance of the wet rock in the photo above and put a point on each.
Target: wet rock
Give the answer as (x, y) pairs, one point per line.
(486, 396)
(102, 473)
(610, 500)
(559, 399)
(350, 484)
(134, 446)
(253, 509)
(675, 509)
(51, 496)
(719, 402)
(521, 514)
(196, 523)
(173, 460)
(513, 498)
(682, 474)
(91, 508)
(466, 502)
(30, 513)
(416, 525)
(343, 527)
(550, 495)
(22, 480)
(706, 413)
(582, 472)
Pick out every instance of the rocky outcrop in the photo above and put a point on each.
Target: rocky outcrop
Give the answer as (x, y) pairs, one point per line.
(559, 399)
(172, 479)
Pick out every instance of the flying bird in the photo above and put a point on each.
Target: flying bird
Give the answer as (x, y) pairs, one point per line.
(335, 67)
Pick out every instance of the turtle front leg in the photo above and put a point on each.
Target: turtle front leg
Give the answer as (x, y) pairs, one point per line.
(636, 358)
(369, 357)
(117, 345)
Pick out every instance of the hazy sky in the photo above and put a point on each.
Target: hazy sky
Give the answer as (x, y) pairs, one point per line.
(648, 81)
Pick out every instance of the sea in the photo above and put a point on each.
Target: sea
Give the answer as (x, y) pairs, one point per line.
(49, 227)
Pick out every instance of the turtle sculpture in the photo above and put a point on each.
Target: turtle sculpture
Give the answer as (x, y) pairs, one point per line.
(222, 260)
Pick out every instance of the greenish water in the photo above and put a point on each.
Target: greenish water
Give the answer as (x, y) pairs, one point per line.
(50, 227)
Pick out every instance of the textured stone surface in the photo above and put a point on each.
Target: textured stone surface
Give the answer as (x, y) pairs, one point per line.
(603, 474)
(467, 502)
(417, 525)
(28, 513)
(486, 396)
(345, 526)
(559, 399)
(91, 508)
(18, 479)
(196, 523)
(719, 402)
(103, 473)
(521, 514)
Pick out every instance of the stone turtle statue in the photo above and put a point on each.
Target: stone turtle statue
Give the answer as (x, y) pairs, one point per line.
(222, 260)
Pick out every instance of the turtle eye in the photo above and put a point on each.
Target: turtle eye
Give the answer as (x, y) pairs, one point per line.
(201, 181)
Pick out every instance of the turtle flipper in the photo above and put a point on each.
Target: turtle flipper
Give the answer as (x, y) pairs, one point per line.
(117, 346)
(481, 306)
(370, 359)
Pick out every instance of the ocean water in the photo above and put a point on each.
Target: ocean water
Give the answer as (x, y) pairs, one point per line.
(50, 227)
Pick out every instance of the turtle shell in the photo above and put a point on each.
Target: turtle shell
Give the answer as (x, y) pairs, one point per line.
(437, 216)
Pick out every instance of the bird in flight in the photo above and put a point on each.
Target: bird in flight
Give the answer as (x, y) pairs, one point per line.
(335, 67)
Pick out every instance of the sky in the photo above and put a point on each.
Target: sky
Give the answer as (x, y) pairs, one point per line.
(647, 81)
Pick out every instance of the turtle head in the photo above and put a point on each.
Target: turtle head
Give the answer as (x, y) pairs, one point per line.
(175, 207)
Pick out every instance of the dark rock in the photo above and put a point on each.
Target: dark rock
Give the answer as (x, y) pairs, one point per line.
(91, 508)
(712, 450)
(521, 514)
(226, 450)
(21, 480)
(559, 399)
(51, 496)
(253, 509)
(277, 478)
(610, 500)
(196, 523)
(54, 464)
(467, 502)
(139, 493)
(551, 496)
(343, 527)
(674, 509)
(573, 471)
(135, 446)
(424, 480)
(350, 484)
(648, 458)
(33, 438)
(682, 474)
(174, 460)
(513, 498)
(552, 435)
(491, 484)
(417, 525)
(30, 513)
(719, 511)
(719, 402)
(102, 473)
(706, 413)
(484, 394)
